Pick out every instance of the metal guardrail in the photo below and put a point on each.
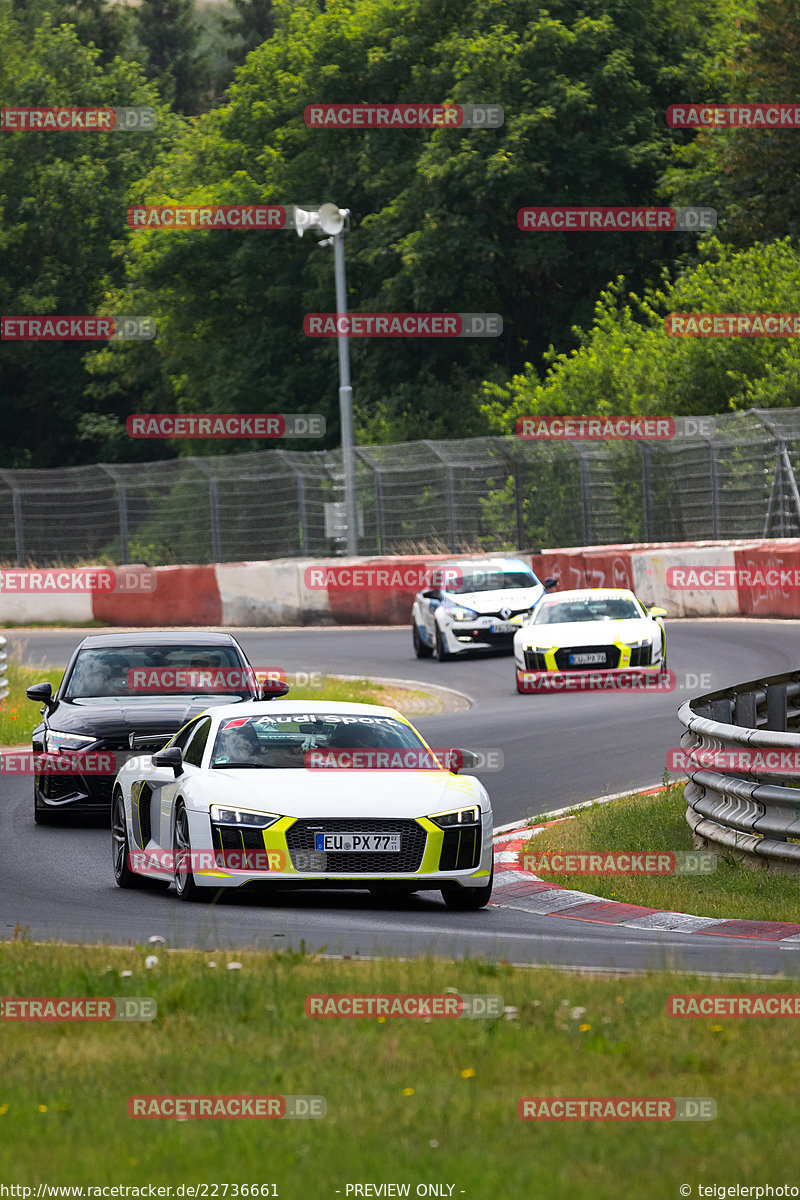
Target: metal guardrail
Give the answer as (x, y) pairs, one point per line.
(3, 662)
(747, 812)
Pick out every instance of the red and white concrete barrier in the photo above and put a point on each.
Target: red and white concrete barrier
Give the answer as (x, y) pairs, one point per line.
(688, 579)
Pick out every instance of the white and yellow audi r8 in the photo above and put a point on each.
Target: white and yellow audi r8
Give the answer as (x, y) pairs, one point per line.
(303, 794)
(606, 631)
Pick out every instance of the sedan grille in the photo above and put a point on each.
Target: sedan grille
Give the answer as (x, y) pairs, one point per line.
(300, 840)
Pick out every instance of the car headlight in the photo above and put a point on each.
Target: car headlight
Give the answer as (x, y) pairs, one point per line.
(637, 645)
(458, 816)
(55, 741)
(457, 613)
(242, 816)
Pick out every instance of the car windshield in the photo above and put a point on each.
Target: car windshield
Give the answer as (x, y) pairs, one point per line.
(487, 580)
(160, 670)
(285, 740)
(603, 608)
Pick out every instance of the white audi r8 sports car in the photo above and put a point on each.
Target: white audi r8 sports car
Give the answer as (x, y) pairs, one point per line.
(603, 630)
(469, 606)
(304, 794)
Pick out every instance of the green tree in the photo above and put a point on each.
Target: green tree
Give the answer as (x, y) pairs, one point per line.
(169, 36)
(251, 25)
(62, 213)
(434, 213)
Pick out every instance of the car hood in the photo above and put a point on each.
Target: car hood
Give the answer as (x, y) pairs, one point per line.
(111, 716)
(586, 633)
(336, 792)
(491, 602)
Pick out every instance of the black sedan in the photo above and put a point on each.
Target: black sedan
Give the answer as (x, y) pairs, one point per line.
(127, 693)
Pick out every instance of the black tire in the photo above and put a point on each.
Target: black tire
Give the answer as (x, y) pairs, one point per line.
(123, 875)
(463, 899)
(442, 655)
(421, 649)
(185, 886)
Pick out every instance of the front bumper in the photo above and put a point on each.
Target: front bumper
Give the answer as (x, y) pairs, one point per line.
(443, 855)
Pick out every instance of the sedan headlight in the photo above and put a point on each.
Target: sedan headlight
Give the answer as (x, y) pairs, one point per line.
(458, 816)
(461, 614)
(242, 816)
(55, 741)
(648, 641)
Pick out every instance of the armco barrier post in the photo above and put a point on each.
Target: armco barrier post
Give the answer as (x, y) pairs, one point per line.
(776, 707)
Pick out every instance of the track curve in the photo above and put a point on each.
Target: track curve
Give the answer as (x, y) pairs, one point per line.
(557, 749)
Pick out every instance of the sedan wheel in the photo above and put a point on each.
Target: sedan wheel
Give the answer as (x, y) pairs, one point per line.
(421, 649)
(124, 876)
(441, 654)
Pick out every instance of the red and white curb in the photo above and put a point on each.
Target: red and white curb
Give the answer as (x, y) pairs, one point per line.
(516, 888)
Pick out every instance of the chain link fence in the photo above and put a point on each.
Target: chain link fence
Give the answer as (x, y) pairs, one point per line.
(471, 495)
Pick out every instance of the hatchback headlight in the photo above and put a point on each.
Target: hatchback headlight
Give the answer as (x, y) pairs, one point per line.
(242, 816)
(459, 816)
(461, 614)
(55, 741)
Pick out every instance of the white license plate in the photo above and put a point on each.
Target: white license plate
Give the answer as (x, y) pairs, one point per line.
(503, 627)
(587, 660)
(357, 843)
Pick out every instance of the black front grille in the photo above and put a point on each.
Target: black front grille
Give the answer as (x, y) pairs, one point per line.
(235, 837)
(300, 837)
(534, 660)
(142, 795)
(461, 848)
(640, 656)
(611, 658)
(512, 612)
(58, 787)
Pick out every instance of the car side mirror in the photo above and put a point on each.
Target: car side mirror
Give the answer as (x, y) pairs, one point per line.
(550, 584)
(272, 689)
(655, 611)
(461, 760)
(41, 693)
(170, 756)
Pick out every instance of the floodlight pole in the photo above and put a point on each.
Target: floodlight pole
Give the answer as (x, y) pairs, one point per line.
(345, 400)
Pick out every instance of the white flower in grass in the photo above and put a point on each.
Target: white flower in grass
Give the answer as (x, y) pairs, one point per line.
(211, 964)
(158, 938)
(510, 1013)
(234, 966)
(125, 974)
(151, 961)
(577, 1013)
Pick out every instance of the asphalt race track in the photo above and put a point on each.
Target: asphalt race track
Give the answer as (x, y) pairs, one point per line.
(558, 749)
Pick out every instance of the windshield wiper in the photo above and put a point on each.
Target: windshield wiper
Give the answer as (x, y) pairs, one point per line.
(223, 766)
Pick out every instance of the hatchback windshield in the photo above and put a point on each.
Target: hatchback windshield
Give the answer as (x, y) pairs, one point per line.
(605, 608)
(488, 581)
(158, 670)
(285, 739)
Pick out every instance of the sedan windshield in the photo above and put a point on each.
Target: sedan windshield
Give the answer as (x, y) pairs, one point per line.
(489, 581)
(158, 671)
(288, 740)
(605, 608)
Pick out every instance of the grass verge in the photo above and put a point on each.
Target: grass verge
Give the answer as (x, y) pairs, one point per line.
(19, 716)
(648, 823)
(408, 1101)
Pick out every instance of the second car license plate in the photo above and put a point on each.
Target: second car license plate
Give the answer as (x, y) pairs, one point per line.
(587, 660)
(358, 843)
(503, 627)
